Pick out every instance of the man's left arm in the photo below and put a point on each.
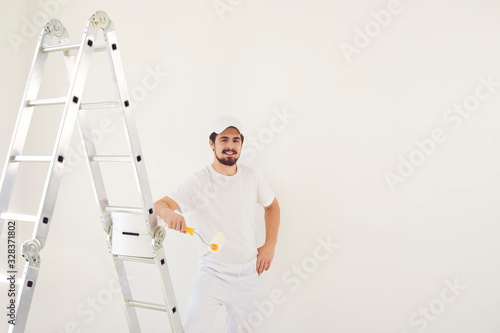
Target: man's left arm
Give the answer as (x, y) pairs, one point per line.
(265, 253)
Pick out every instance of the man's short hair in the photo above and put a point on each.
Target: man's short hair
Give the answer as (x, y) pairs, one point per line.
(214, 135)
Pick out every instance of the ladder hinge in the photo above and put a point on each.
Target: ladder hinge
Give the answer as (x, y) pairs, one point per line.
(159, 237)
(31, 251)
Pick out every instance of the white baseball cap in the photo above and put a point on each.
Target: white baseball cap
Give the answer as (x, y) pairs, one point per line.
(223, 122)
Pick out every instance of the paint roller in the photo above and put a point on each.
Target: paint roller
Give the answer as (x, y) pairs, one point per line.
(216, 242)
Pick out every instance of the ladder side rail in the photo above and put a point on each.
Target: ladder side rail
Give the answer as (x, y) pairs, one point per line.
(90, 150)
(140, 174)
(64, 134)
(168, 291)
(68, 61)
(141, 177)
(102, 200)
(126, 294)
(24, 298)
(95, 169)
(22, 125)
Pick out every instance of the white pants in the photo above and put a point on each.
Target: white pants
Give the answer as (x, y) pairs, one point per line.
(218, 285)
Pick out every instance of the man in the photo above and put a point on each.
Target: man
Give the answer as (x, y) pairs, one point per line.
(222, 197)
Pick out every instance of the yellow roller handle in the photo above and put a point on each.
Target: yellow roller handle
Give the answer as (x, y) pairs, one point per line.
(189, 230)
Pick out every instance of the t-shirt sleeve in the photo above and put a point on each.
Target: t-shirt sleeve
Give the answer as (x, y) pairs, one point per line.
(186, 195)
(265, 195)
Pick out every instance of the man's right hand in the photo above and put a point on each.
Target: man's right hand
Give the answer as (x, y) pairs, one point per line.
(175, 221)
(166, 208)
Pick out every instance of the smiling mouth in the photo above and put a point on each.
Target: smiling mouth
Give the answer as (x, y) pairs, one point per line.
(229, 153)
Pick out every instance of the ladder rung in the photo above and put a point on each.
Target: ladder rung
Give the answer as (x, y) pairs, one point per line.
(145, 260)
(61, 47)
(25, 158)
(123, 209)
(100, 48)
(110, 158)
(69, 47)
(62, 100)
(19, 217)
(99, 106)
(146, 305)
(46, 101)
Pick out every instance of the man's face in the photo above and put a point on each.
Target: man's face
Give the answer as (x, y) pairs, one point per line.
(227, 146)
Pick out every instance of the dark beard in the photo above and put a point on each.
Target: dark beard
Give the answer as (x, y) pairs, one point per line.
(226, 161)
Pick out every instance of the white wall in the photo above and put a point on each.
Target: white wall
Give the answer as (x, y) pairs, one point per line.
(418, 256)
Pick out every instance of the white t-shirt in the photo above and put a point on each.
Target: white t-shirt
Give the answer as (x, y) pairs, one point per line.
(212, 203)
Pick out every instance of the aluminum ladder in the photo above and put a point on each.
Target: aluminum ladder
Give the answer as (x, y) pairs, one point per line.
(77, 58)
